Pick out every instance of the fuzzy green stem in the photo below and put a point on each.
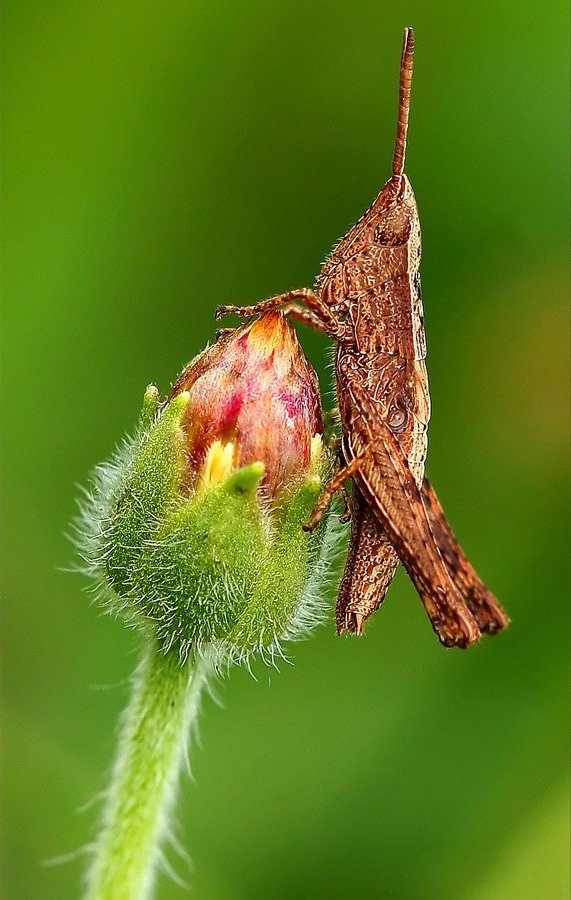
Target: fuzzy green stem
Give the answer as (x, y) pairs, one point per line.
(165, 698)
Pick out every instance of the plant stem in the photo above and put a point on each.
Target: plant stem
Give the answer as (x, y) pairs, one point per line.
(164, 700)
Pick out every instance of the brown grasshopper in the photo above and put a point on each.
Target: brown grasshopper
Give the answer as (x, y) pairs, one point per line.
(368, 299)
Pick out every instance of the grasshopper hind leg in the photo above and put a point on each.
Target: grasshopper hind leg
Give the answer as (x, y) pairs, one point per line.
(486, 609)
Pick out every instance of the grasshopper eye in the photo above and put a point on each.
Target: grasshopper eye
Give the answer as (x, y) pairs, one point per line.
(396, 418)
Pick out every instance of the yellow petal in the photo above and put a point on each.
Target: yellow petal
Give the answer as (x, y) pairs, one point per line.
(316, 448)
(218, 463)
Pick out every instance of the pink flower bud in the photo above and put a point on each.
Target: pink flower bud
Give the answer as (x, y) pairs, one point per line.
(254, 397)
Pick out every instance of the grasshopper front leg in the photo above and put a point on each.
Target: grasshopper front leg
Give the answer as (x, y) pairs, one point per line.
(317, 314)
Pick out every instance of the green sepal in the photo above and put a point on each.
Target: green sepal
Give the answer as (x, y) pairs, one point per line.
(150, 483)
(197, 574)
(283, 574)
(151, 403)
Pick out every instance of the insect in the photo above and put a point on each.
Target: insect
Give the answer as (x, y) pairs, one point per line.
(368, 298)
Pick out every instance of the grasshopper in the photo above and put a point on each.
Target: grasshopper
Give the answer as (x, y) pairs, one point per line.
(368, 299)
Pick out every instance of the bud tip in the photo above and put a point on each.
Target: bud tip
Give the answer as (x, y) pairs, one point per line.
(247, 478)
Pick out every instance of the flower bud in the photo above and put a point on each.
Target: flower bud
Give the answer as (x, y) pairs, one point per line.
(194, 530)
(253, 397)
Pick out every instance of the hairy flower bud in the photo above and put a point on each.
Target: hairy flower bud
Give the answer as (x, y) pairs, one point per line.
(195, 530)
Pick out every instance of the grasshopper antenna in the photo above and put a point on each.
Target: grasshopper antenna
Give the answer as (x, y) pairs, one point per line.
(404, 100)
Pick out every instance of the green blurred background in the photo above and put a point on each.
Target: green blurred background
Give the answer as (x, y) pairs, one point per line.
(162, 158)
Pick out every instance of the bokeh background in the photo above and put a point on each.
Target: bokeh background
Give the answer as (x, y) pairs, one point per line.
(162, 158)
